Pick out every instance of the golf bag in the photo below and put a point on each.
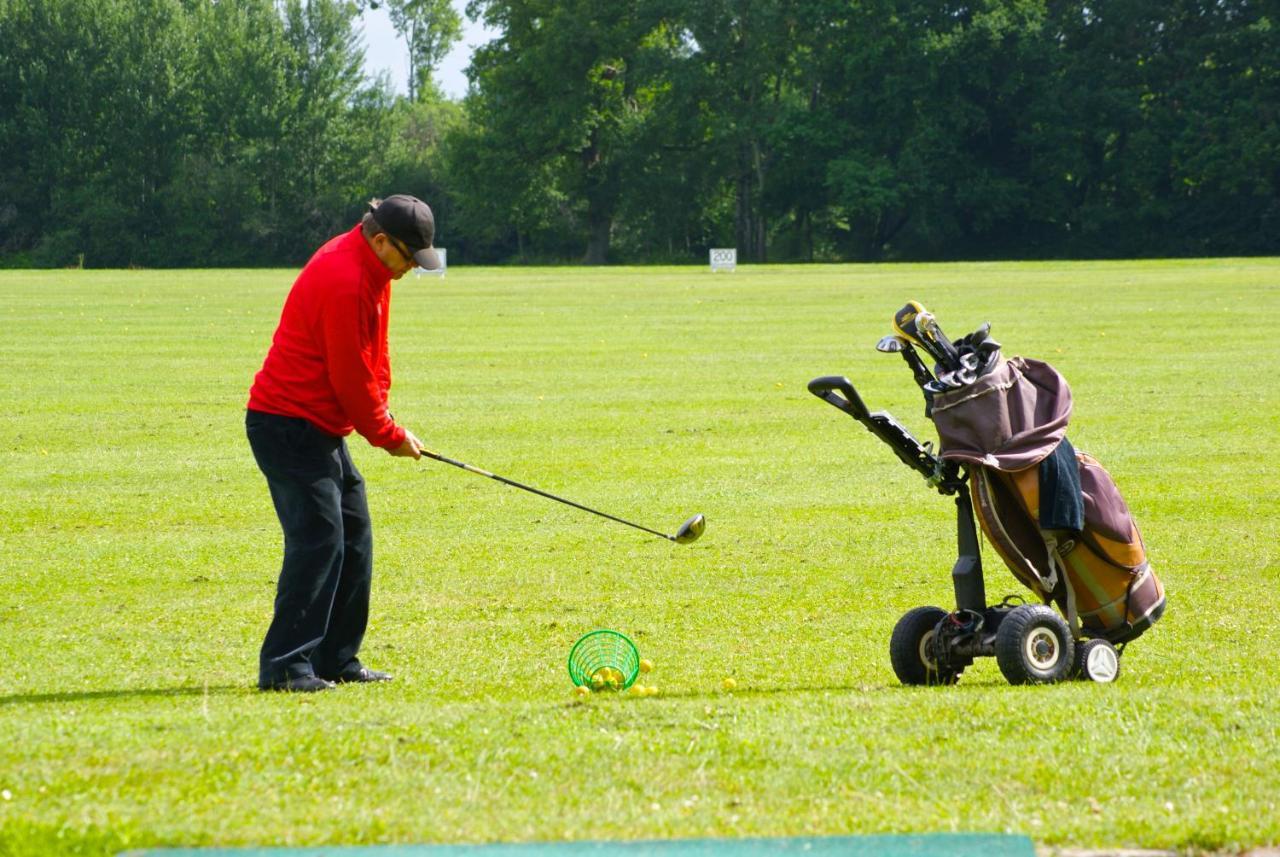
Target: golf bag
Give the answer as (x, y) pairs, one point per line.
(1053, 514)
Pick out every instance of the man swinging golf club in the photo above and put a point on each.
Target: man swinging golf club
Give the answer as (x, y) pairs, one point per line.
(327, 374)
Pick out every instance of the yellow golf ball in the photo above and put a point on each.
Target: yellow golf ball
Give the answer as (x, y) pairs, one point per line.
(651, 690)
(582, 691)
(646, 665)
(729, 683)
(636, 690)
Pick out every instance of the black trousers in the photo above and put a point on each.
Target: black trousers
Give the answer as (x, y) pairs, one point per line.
(322, 597)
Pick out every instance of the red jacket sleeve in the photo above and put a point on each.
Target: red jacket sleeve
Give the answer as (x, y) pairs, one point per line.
(355, 348)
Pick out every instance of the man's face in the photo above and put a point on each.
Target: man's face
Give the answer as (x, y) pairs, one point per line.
(393, 254)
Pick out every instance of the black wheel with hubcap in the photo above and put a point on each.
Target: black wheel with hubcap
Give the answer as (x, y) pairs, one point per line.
(1034, 646)
(1096, 660)
(911, 648)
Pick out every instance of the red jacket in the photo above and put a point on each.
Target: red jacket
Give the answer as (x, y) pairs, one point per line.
(328, 361)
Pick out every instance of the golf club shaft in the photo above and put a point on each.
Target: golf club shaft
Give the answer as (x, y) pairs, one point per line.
(928, 327)
(514, 484)
(918, 370)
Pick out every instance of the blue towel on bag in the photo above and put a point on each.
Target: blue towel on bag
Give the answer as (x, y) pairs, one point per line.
(1061, 501)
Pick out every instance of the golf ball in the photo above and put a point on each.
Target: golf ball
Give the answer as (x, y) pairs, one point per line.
(729, 684)
(646, 665)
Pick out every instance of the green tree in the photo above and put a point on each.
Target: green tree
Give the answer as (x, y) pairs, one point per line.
(430, 28)
(559, 107)
(675, 202)
(164, 132)
(219, 206)
(935, 110)
(1174, 113)
(178, 132)
(313, 170)
(745, 50)
(98, 98)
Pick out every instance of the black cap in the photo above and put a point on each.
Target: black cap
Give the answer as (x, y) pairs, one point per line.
(409, 220)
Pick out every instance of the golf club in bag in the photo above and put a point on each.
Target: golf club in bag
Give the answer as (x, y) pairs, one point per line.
(1052, 514)
(687, 532)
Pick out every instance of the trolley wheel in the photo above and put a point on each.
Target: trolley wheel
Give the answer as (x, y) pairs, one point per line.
(911, 648)
(1096, 660)
(1034, 646)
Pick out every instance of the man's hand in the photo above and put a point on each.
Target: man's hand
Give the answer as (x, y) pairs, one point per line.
(410, 447)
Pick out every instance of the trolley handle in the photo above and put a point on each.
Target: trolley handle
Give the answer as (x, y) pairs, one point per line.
(838, 391)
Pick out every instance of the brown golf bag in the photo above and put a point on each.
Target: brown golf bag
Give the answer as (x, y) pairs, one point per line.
(1053, 514)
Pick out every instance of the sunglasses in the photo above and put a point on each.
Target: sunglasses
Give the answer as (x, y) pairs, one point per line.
(400, 248)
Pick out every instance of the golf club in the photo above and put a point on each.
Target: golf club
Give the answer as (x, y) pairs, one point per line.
(893, 344)
(928, 327)
(906, 324)
(688, 531)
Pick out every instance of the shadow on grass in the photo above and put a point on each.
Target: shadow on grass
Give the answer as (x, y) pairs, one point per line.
(129, 693)
(888, 690)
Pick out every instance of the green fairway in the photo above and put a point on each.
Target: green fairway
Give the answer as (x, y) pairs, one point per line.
(139, 550)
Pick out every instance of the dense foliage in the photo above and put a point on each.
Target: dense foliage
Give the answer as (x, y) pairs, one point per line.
(196, 133)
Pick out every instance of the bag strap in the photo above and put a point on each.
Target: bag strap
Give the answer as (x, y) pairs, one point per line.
(1057, 563)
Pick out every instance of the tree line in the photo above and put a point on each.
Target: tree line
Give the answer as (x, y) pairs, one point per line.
(245, 132)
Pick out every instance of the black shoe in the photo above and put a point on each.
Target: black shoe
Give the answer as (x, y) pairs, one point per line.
(360, 675)
(299, 684)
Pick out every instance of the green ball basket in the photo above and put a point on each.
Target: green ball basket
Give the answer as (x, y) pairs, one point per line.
(604, 648)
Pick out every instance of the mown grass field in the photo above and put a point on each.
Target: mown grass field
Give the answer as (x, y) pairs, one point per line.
(138, 554)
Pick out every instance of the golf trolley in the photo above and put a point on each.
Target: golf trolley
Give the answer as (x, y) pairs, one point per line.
(1032, 643)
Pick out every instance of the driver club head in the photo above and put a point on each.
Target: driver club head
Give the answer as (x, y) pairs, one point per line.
(690, 530)
(891, 344)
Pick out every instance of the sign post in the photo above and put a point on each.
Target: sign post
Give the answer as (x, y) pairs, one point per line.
(724, 258)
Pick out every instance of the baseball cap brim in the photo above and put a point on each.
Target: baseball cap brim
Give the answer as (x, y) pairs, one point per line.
(427, 258)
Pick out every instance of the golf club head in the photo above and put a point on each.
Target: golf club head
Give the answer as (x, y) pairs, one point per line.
(690, 530)
(891, 344)
(918, 327)
(904, 321)
(980, 335)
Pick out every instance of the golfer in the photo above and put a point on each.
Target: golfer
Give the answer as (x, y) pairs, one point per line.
(327, 374)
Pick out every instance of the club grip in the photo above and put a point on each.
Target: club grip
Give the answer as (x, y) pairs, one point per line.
(837, 391)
